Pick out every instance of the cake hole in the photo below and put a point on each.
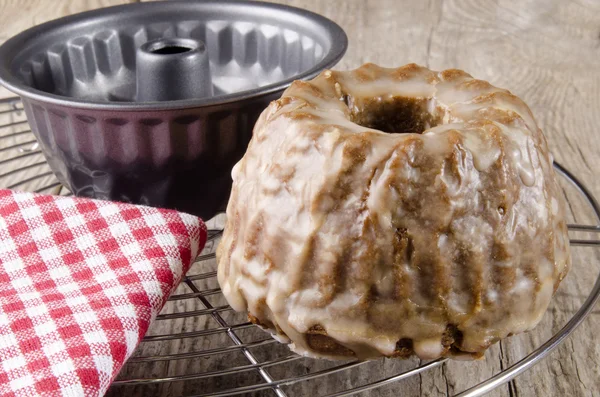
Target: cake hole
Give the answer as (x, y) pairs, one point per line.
(404, 343)
(501, 210)
(404, 348)
(394, 115)
(452, 337)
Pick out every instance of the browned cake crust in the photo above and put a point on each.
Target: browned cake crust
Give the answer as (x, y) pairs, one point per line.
(391, 212)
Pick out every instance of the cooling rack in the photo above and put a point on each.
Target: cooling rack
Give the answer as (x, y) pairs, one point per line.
(198, 346)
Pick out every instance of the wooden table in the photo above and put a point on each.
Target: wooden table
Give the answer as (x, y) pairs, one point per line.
(545, 51)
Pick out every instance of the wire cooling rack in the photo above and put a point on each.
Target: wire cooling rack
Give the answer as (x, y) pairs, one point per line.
(198, 346)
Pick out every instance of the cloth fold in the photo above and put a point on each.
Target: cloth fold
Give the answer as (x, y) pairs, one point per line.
(80, 282)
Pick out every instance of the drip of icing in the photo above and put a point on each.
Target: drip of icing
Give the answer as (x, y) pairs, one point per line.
(429, 348)
(522, 165)
(484, 153)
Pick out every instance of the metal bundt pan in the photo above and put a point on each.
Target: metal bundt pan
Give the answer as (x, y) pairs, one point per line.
(153, 103)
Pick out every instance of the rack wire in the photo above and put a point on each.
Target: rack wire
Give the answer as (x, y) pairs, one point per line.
(198, 346)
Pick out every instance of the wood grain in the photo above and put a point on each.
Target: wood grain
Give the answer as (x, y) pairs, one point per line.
(546, 52)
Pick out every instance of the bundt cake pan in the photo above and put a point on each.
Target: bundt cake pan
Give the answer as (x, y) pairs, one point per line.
(153, 103)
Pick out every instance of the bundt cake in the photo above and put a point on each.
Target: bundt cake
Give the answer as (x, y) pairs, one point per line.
(391, 212)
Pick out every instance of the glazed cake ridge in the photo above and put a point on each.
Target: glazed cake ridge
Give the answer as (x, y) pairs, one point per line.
(386, 212)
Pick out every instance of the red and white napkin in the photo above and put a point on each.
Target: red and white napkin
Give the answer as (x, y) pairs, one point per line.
(80, 282)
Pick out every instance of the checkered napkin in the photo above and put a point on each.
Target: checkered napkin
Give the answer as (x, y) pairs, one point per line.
(80, 282)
